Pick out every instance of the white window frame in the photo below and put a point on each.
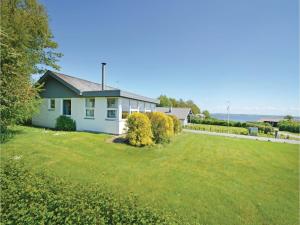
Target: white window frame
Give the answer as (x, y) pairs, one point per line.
(49, 104)
(113, 109)
(89, 108)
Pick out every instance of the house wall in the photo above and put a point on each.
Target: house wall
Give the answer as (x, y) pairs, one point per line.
(47, 118)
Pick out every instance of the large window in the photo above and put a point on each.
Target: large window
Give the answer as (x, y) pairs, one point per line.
(112, 105)
(51, 104)
(90, 107)
(67, 107)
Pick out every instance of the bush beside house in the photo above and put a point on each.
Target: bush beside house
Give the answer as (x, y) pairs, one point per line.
(289, 125)
(162, 127)
(139, 130)
(65, 123)
(148, 128)
(176, 124)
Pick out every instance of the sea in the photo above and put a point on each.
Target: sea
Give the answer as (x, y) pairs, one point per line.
(246, 117)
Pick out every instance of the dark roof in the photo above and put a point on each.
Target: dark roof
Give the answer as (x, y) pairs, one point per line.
(87, 88)
(180, 113)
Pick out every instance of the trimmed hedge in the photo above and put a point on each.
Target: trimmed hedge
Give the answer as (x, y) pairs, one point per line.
(289, 125)
(139, 130)
(219, 129)
(65, 123)
(262, 127)
(162, 127)
(177, 124)
(28, 198)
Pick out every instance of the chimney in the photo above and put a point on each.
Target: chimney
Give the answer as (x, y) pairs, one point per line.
(103, 76)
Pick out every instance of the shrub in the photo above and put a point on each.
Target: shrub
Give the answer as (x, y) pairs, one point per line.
(162, 127)
(177, 124)
(219, 129)
(139, 130)
(29, 198)
(289, 125)
(65, 123)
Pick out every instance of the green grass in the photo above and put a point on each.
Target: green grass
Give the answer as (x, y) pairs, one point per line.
(218, 129)
(204, 179)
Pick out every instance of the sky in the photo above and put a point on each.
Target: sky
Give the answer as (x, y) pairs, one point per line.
(212, 52)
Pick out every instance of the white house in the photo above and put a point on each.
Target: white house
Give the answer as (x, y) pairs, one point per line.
(94, 107)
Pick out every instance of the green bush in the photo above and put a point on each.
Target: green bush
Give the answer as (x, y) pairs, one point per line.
(177, 124)
(29, 198)
(162, 127)
(139, 130)
(262, 127)
(289, 125)
(65, 123)
(219, 129)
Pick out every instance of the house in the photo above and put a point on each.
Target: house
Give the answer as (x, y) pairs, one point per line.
(95, 107)
(272, 121)
(181, 113)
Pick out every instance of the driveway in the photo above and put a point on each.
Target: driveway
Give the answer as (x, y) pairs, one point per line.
(243, 136)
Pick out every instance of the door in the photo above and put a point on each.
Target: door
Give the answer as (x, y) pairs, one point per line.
(67, 107)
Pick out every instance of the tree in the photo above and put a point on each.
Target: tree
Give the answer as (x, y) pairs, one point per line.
(289, 117)
(27, 46)
(206, 114)
(165, 101)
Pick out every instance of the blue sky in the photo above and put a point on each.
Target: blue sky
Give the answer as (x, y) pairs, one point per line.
(208, 51)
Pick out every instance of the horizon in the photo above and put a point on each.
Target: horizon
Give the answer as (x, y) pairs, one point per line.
(209, 52)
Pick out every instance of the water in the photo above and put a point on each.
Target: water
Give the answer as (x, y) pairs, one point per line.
(245, 117)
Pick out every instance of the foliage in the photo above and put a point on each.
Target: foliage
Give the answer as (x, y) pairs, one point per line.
(177, 124)
(288, 117)
(262, 127)
(289, 125)
(139, 130)
(219, 129)
(26, 45)
(162, 127)
(29, 198)
(165, 101)
(65, 123)
(206, 114)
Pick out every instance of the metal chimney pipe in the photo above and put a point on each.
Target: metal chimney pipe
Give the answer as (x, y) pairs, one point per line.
(103, 76)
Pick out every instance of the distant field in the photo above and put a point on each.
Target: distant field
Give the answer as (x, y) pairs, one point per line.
(204, 179)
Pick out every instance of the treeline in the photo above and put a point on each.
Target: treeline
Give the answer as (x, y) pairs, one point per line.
(262, 127)
(289, 125)
(166, 101)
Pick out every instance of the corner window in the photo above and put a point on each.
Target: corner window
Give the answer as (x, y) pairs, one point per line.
(112, 108)
(89, 107)
(51, 104)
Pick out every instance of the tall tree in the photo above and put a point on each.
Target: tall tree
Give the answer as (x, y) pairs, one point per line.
(27, 46)
(165, 101)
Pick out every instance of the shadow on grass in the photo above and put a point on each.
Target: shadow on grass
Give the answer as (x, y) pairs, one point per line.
(7, 134)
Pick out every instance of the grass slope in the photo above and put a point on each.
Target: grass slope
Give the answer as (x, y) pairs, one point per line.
(204, 179)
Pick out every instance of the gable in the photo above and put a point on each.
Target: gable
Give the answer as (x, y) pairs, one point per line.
(54, 89)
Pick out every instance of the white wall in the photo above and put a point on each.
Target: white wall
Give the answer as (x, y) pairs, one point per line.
(47, 118)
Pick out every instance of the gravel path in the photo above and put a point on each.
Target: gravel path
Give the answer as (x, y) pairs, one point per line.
(243, 136)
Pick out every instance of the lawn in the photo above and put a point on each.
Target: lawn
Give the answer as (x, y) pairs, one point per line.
(204, 179)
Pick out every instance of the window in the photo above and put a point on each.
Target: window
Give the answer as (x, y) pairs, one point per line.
(67, 107)
(51, 105)
(89, 107)
(111, 113)
(112, 108)
(111, 103)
